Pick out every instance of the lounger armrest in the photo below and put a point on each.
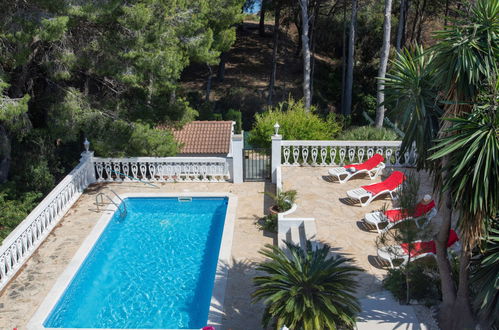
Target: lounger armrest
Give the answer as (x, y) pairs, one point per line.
(432, 213)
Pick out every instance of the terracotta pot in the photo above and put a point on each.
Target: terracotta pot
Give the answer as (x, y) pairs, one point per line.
(273, 209)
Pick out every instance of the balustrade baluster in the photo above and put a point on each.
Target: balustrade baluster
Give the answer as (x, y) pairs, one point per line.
(323, 156)
(117, 171)
(296, 155)
(286, 152)
(304, 153)
(314, 155)
(333, 151)
(361, 151)
(351, 154)
(388, 159)
(126, 171)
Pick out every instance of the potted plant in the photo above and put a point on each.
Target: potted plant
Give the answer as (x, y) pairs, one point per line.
(283, 201)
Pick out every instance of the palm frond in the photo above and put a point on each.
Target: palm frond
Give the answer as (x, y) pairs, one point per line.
(306, 288)
(411, 95)
(472, 145)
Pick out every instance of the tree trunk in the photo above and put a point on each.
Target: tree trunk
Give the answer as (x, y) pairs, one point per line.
(404, 31)
(408, 277)
(421, 19)
(5, 152)
(208, 83)
(312, 45)
(385, 53)
(344, 57)
(261, 26)
(173, 97)
(221, 67)
(446, 12)
(444, 267)
(306, 53)
(274, 52)
(415, 21)
(350, 61)
(401, 26)
(463, 315)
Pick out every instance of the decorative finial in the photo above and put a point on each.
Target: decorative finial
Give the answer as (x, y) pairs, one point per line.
(86, 144)
(276, 128)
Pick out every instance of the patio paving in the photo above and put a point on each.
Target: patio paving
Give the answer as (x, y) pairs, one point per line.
(381, 311)
(22, 296)
(338, 224)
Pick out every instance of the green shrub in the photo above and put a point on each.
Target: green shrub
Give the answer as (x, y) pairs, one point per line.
(368, 133)
(14, 210)
(41, 179)
(237, 116)
(424, 283)
(268, 223)
(295, 122)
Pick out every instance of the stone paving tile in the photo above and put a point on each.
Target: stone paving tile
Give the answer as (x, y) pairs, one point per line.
(339, 223)
(20, 299)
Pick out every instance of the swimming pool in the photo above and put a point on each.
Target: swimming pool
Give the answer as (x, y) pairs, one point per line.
(153, 269)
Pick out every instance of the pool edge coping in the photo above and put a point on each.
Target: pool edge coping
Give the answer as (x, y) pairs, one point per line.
(216, 310)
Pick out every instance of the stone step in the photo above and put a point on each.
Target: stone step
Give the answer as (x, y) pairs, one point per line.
(295, 235)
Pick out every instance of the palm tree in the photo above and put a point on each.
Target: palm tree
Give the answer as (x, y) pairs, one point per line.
(306, 289)
(485, 279)
(462, 62)
(411, 94)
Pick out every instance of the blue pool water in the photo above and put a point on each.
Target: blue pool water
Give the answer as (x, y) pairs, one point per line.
(153, 269)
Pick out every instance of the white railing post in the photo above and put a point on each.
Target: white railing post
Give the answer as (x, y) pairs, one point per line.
(237, 158)
(88, 158)
(276, 155)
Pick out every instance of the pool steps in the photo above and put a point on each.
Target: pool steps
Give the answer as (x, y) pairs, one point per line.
(123, 212)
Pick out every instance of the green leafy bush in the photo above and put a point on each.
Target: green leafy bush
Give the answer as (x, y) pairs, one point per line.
(368, 133)
(424, 283)
(14, 210)
(237, 116)
(295, 122)
(268, 223)
(41, 179)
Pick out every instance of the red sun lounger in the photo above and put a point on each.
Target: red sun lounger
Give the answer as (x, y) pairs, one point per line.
(370, 192)
(419, 249)
(373, 167)
(425, 210)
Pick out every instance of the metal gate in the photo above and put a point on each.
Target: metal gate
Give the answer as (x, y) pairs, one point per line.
(256, 164)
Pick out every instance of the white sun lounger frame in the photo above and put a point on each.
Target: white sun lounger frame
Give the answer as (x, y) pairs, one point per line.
(360, 193)
(338, 172)
(391, 253)
(377, 218)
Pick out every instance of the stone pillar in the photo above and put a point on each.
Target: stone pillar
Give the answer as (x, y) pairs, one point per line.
(87, 160)
(237, 158)
(276, 155)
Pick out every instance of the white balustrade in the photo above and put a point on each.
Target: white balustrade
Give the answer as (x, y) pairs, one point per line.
(338, 153)
(30, 233)
(162, 169)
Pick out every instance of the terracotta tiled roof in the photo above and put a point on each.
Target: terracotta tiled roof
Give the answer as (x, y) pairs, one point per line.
(205, 137)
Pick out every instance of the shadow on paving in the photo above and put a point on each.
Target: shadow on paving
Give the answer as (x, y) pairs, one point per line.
(239, 312)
